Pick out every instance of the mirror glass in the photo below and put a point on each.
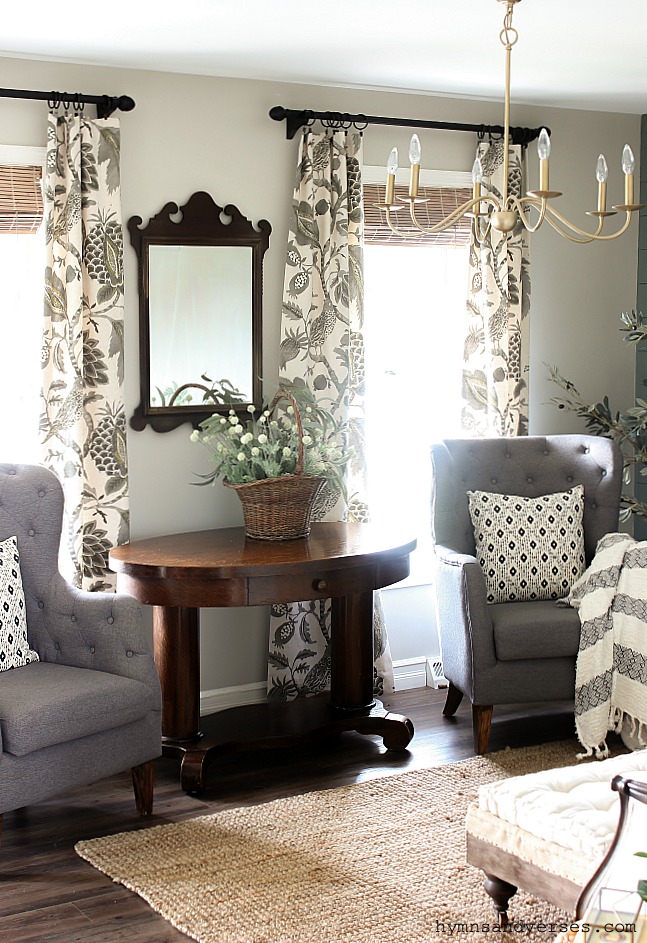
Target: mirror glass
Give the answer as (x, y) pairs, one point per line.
(200, 312)
(200, 303)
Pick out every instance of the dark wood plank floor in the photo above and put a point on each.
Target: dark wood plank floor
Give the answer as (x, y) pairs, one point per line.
(48, 893)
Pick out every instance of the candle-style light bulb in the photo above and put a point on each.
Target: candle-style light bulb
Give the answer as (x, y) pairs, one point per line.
(543, 145)
(391, 170)
(628, 162)
(414, 157)
(601, 169)
(602, 172)
(414, 149)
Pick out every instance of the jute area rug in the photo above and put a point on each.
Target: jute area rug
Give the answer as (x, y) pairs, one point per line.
(382, 861)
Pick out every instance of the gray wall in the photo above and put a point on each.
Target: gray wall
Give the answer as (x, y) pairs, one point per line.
(199, 133)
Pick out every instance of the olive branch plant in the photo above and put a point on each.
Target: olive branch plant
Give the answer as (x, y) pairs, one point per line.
(628, 429)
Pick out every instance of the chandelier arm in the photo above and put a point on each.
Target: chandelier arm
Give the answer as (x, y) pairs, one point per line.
(453, 218)
(394, 229)
(539, 205)
(588, 236)
(480, 235)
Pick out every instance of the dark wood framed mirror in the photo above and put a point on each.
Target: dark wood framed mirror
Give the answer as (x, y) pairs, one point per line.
(200, 312)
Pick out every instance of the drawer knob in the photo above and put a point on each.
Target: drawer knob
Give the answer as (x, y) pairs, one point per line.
(320, 585)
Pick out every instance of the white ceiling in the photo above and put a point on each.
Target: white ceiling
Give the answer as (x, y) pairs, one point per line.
(572, 53)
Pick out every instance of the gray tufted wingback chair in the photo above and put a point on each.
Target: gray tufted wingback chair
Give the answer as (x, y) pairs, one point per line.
(512, 652)
(91, 706)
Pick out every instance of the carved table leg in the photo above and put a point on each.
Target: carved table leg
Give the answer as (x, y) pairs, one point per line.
(351, 666)
(351, 673)
(176, 643)
(192, 771)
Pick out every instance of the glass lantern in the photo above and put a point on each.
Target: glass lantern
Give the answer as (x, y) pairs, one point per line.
(612, 906)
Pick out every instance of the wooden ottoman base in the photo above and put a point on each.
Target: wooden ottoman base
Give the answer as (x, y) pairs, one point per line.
(505, 873)
(546, 832)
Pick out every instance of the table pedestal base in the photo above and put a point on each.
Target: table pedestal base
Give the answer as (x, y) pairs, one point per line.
(279, 724)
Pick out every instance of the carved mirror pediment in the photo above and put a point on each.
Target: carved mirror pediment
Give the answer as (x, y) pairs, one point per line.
(200, 312)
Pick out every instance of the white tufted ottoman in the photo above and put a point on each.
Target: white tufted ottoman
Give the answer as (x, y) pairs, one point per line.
(546, 832)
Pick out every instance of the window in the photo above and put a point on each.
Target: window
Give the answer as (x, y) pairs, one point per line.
(414, 332)
(22, 261)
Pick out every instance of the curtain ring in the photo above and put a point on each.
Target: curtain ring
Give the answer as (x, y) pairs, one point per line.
(54, 101)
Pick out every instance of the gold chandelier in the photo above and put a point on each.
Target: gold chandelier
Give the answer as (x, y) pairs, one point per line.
(504, 214)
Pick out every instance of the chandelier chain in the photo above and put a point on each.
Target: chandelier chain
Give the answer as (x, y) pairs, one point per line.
(508, 34)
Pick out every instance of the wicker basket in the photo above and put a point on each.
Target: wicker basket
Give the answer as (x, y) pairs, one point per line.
(280, 508)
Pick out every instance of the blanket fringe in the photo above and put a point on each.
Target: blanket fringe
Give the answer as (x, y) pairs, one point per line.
(600, 752)
(636, 732)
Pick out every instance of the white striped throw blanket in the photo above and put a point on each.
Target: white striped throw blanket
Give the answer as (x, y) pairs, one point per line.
(611, 672)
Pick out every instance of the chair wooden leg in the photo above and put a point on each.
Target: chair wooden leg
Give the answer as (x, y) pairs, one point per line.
(143, 782)
(0, 828)
(481, 723)
(452, 701)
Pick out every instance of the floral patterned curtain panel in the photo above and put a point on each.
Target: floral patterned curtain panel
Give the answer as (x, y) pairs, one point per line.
(322, 346)
(495, 370)
(82, 422)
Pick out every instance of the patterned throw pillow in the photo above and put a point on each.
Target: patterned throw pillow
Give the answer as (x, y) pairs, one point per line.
(14, 648)
(528, 548)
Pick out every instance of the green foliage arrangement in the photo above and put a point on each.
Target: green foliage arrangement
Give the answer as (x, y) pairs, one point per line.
(266, 445)
(629, 429)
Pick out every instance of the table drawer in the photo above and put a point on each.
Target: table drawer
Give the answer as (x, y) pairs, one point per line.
(264, 591)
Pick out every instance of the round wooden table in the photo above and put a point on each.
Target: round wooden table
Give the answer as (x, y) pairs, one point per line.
(178, 574)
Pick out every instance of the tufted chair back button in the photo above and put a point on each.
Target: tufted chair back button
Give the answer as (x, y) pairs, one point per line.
(41, 604)
(73, 617)
(129, 654)
(57, 646)
(529, 480)
(31, 532)
(92, 649)
(110, 620)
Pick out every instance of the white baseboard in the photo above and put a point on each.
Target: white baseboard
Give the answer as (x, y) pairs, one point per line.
(408, 673)
(219, 699)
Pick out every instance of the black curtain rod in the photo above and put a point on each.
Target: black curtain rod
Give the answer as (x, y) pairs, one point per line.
(338, 120)
(106, 104)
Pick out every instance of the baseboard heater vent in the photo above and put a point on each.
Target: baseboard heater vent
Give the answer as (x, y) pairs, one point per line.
(436, 677)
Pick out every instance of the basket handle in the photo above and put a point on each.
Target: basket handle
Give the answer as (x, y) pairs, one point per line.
(283, 394)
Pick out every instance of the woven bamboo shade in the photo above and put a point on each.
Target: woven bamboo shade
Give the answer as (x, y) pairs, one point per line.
(21, 199)
(441, 202)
